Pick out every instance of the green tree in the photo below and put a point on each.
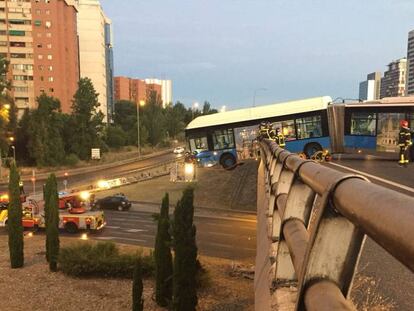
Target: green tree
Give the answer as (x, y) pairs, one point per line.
(174, 120)
(207, 109)
(137, 288)
(115, 136)
(153, 119)
(125, 115)
(44, 132)
(185, 260)
(163, 257)
(14, 222)
(52, 222)
(86, 122)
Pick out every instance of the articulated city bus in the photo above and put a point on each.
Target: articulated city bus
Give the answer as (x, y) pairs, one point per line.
(308, 125)
(370, 126)
(224, 138)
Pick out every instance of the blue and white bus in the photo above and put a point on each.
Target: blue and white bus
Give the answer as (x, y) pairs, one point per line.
(309, 125)
(224, 138)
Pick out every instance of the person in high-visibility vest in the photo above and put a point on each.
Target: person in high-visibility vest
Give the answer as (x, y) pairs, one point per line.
(404, 142)
(280, 138)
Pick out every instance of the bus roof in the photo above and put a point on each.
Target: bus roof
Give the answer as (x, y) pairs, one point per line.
(384, 102)
(261, 112)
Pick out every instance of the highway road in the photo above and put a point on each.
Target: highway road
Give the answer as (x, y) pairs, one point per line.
(92, 177)
(217, 236)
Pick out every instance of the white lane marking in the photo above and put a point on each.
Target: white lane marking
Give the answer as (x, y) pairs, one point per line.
(113, 227)
(135, 230)
(386, 181)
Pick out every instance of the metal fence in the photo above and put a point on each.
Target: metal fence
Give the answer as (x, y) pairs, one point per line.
(317, 220)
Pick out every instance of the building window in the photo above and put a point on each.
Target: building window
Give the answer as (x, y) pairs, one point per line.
(287, 128)
(42, 78)
(19, 33)
(38, 23)
(39, 45)
(3, 43)
(49, 46)
(363, 123)
(309, 127)
(39, 34)
(40, 56)
(47, 12)
(48, 35)
(38, 12)
(51, 79)
(51, 90)
(48, 24)
(49, 57)
(40, 67)
(17, 55)
(50, 68)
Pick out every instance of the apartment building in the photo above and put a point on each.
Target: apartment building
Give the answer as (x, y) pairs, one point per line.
(393, 82)
(92, 48)
(370, 89)
(136, 89)
(410, 64)
(109, 55)
(31, 33)
(56, 53)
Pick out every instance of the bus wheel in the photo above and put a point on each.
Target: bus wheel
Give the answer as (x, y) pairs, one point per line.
(70, 227)
(227, 160)
(312, 148)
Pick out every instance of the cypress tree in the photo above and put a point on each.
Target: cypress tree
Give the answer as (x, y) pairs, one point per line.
(163, 257)
(52, 224)
(46, 197)
(137, 288)
(185, 260)
(14, 221)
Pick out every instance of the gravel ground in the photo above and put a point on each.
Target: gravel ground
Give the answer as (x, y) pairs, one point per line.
(35, 288)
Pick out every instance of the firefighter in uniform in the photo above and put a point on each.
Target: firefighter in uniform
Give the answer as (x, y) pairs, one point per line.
(404, 142)
(280, 138)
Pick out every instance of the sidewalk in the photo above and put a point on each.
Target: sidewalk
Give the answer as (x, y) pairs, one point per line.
(362, 157)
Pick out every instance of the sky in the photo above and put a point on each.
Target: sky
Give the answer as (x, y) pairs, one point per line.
(225, 51)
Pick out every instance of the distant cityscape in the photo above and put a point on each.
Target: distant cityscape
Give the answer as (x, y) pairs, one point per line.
(397, 80)
(52, 44)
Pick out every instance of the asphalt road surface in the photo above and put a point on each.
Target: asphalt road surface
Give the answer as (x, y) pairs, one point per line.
(395, 280)
(224, 237)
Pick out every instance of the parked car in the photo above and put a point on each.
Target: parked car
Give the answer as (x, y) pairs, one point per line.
(117, 201)
(179, 150)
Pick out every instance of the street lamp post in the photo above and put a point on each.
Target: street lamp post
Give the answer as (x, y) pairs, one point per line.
(254, 95)
(142, 104)
(14, 153)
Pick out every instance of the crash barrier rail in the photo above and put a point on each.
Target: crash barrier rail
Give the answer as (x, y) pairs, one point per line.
(317, 220)
(137, 175)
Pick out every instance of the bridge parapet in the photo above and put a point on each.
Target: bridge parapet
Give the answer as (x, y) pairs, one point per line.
(317, 219)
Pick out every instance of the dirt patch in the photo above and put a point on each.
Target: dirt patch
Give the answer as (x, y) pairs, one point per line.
(215, 188)
(35, 288)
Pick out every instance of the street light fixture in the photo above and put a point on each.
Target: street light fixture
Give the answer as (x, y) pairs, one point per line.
(142, 104)
(254, 94)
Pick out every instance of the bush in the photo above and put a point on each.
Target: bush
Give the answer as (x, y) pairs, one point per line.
(71, 159)
(101, 260)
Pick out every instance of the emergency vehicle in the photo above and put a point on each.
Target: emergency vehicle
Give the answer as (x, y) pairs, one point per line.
(72, 218)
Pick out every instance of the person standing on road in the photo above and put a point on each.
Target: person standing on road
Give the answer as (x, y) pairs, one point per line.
(404, 142)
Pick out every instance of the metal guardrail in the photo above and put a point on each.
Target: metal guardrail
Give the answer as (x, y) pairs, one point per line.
(317, 221)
